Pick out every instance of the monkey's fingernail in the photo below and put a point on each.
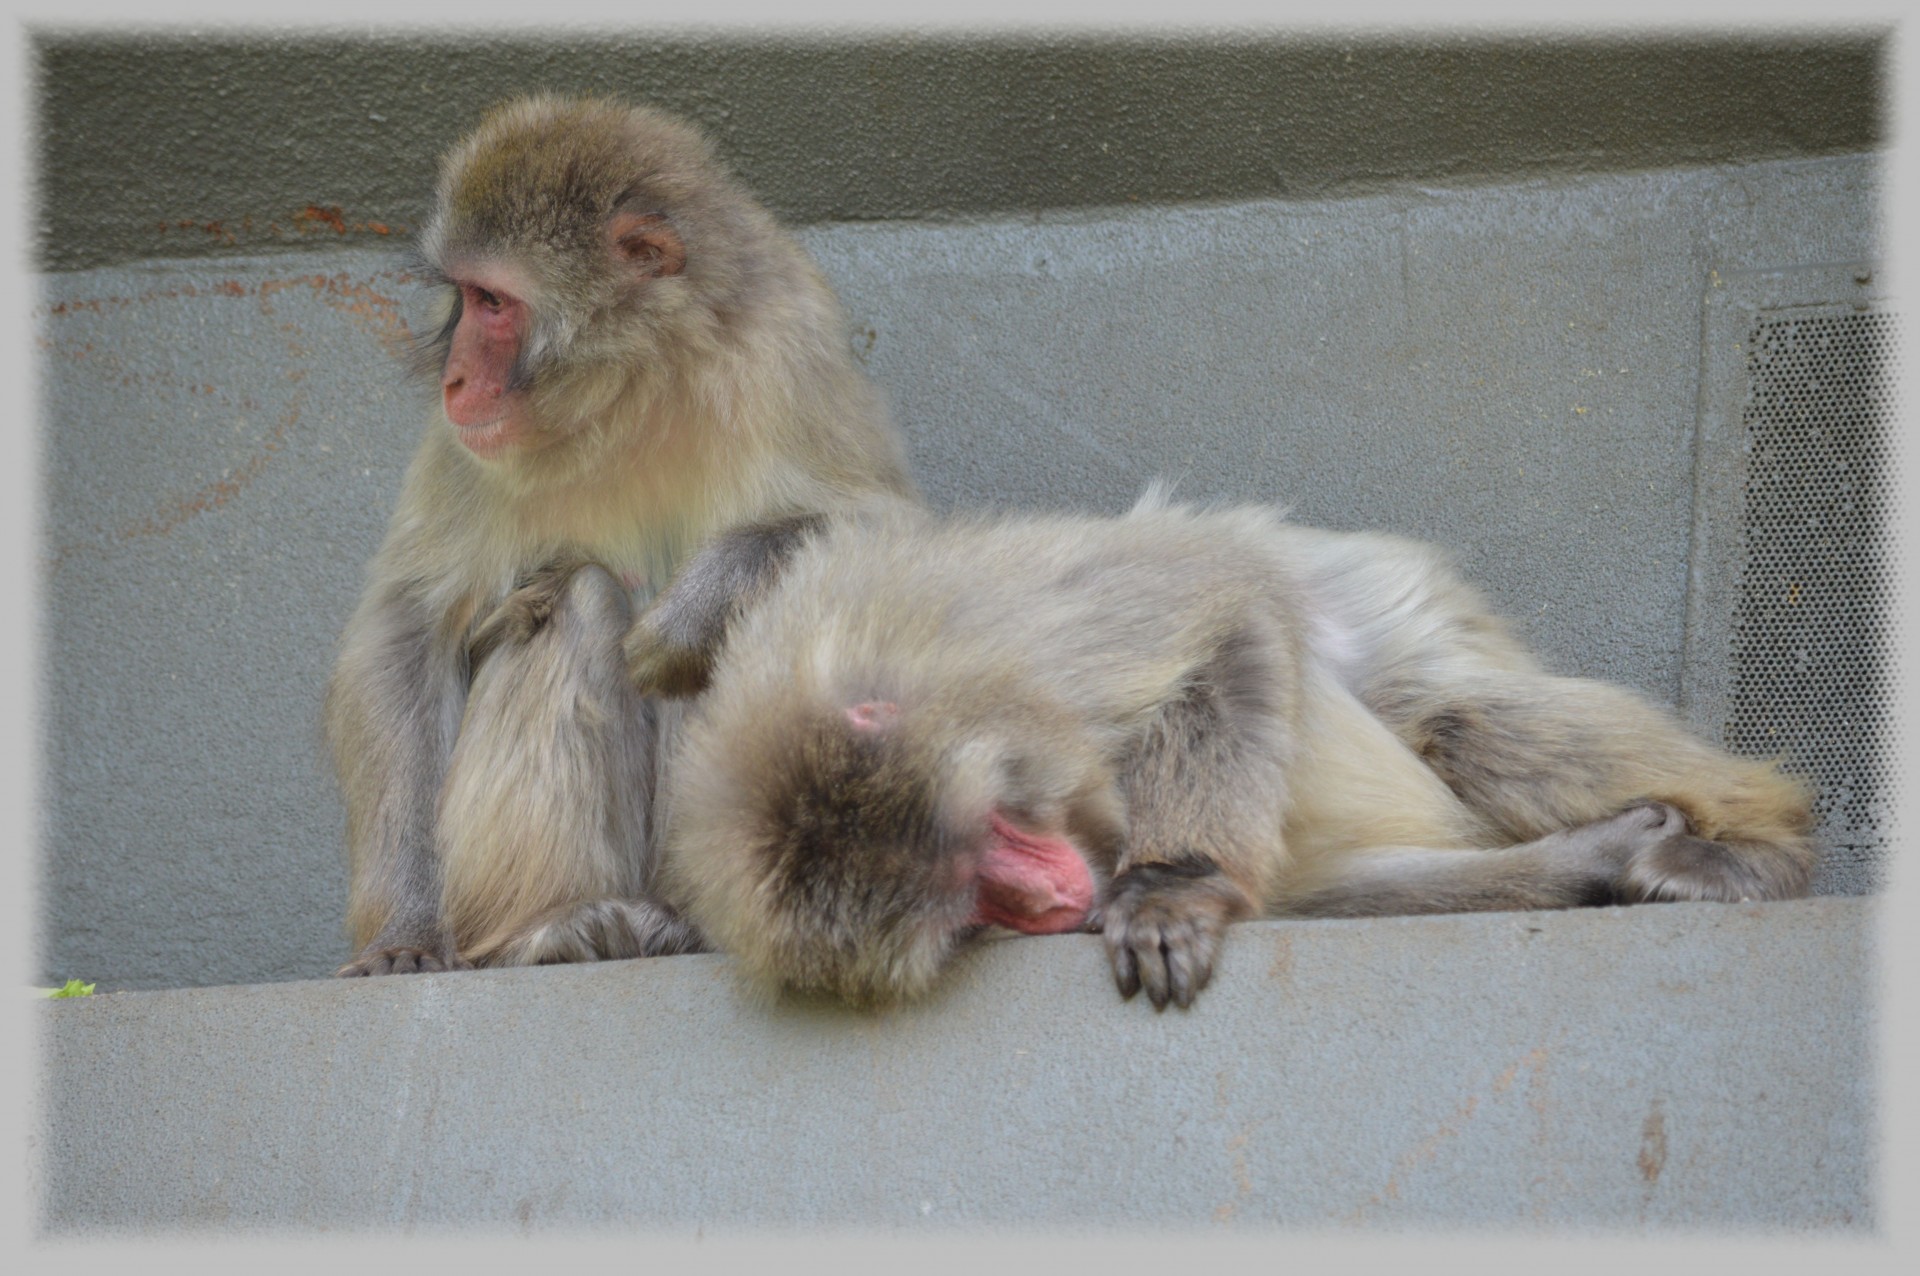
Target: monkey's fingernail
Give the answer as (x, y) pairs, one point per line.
(1124, 974)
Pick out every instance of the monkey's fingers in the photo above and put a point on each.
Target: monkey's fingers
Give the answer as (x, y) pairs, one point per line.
(1126, 970)
(1190, 961)
(1150, 954)
(1172, 960)
(1163, 926)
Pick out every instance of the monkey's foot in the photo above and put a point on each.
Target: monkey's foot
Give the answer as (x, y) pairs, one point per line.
(594, 930)
(1680, 866)
(399, 960)
(1164, 923)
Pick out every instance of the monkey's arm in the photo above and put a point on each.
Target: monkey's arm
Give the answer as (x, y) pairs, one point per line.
(393, 708)
(1205, 796)
(671, 647)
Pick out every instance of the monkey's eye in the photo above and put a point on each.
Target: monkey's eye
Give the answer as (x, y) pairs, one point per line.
(490, 300)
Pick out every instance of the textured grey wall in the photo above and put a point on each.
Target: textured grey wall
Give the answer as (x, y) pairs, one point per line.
(1512, 370)
(170, 145)
(1681, 1071)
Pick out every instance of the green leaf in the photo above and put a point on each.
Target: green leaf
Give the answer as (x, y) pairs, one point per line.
(74, 988)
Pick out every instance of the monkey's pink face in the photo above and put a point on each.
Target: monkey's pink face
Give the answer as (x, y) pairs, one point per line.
(1023, 880)
(1033, 884)
(477, 383)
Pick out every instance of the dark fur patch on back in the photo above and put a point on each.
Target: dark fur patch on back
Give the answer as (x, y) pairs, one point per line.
(1438, 737)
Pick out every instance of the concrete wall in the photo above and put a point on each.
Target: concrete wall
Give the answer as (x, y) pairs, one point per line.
(1675, 1071)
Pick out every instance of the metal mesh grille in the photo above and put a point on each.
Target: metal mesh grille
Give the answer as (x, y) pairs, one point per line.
(1813, 638)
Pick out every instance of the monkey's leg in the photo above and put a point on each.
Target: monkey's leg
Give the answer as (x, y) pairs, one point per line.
(1531, 754)
(392, 712)
(546, 800)
(1568, 868)
(1206, 796)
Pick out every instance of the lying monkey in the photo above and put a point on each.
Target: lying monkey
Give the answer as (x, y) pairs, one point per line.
(914, 729)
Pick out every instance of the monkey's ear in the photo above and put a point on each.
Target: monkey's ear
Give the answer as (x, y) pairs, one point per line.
(872, 717)
(647, 242)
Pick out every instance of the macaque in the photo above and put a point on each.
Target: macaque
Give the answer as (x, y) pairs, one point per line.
(633, 356)
(912, 730)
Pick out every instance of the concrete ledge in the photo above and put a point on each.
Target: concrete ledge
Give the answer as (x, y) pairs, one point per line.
(1665, 1068)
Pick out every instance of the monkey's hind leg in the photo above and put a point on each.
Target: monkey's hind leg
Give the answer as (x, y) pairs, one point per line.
(546, 798)
(1532, 754)
(1564, 869)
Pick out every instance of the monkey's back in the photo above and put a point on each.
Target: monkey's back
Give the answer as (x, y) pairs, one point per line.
(1099, 616)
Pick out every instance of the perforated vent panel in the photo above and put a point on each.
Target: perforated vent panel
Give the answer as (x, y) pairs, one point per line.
(1812, 629)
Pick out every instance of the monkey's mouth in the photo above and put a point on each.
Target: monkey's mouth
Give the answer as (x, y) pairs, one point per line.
(489, 439)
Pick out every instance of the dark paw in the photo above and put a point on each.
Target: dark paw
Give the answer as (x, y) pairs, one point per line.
(399, 961)
(1163, 924)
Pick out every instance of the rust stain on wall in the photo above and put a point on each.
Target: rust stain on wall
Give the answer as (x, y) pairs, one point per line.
(368, 308)
(332, 216)
(375, 311)
(1238, 1167)
(1449, 1128)
(217, 230)
(324, 217)
(372, 310)
(217, 493)
(1653, 1144)
(308, 220)
(1280, 968)
(1532, 1061)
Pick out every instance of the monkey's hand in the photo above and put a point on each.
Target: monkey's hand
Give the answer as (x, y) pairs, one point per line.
(524, 612)
(400, 960)
(1164, 923)
(662, 660)
(671, 648)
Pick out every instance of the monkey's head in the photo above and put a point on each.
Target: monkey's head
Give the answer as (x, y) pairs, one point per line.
(582, 247)
(848, 844)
